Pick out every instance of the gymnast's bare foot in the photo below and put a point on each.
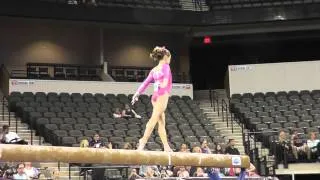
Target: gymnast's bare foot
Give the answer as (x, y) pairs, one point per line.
(167, 149)
(141, 145)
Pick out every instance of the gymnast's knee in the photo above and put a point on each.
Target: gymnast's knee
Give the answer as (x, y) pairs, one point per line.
(152, 122)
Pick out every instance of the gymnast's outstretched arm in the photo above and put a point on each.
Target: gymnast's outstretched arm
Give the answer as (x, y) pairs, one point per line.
(142, 87)
(145, 84)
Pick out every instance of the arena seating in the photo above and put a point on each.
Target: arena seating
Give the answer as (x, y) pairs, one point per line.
(63, 71)
(274, 111)
(159, 4)
(65, 119)
(226, 4)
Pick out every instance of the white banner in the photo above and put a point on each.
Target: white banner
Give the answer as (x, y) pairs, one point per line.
(58, 86)
(274, 77)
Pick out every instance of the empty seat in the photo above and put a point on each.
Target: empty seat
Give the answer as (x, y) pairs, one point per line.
(269, 109)
(116, 139)
(40, 122)
(131, 139)
(95, 127)
(68, 109)
(42, 109)
(280, 119)
(68, 141)
(75, 133)
(191, 139)
(297, 102)
(120, 133)
(293, 119)
(49, 114)
(306, 107)
(177, 139)
(55, 109)
(71, 104)
(307, 118)
(94, 120)
(267, 120)
(121, 126)
(275, 126)
(89, 133)
(256, 109)
(58, 135)
(188, 133)
(288, 113)
(56, 120)
(254, 121)
(262, 103)
(315, 112)
(76, 114)
(63, 115)
(302, 113)
(294, 107)
(275, 114)
(289, 125)
(105, 133)
(134, 132)
(315, 124)
(260, 127)
(303, 125)
(66, 127)
(83, 104)
(82, 109)
(282, 108)
(80, 127)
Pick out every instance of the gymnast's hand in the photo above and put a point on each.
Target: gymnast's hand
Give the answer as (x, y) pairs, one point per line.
(135, 98)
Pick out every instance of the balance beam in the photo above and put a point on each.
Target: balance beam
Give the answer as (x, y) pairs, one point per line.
(28, 153)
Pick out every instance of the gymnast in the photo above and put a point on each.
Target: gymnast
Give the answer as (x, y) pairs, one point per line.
(161, 77)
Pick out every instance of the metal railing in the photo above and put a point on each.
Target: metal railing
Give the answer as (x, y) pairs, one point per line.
(214, 101)
(225, 114)
(124, 170)
(253, 151)
(4, 84)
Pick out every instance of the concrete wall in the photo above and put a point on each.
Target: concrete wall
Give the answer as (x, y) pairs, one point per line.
(52, 41)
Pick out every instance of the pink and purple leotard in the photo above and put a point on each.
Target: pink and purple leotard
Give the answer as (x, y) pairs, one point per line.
(158, 77)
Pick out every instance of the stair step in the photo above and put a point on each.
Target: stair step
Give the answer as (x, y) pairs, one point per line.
(224, 125)
(72, 178)
(228, 130)
(13, 123)
(53, 164)
(66, 173)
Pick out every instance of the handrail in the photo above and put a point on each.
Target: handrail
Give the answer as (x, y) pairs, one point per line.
(225, 110)
(4, 80)
(273, 147)
(3, 99)
(210, 98)
(215, 99)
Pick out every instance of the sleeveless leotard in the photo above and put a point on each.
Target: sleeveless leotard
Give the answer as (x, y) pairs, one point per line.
(157, 77)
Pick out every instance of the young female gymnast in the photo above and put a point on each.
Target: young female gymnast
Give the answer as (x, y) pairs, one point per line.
(162, 79)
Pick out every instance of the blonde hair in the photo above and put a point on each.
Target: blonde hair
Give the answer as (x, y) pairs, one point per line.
(84, 143)
(196, 149)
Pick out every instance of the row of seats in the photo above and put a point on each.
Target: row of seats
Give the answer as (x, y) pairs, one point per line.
(54, 133)
(61, 73)
(273, 111)
(159, 4)
(65, 123)
(231, 4)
